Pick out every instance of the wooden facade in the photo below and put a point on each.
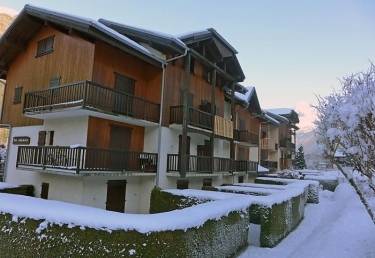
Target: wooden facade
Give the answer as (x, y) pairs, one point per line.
(72, 59)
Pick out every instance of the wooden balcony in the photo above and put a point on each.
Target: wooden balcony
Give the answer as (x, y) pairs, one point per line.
(196, 117)
(223, 127)
(246, 136)
(91, 96)
(203, 164)
(268, 144)
(201, 119)
(83, 159)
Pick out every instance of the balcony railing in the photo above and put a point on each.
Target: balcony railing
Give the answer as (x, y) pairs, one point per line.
(271, 165)
(92, 96)
(246, 136)
(203, 164)
(196, 117)
(81, 159)
(223, 127)
(268, 144)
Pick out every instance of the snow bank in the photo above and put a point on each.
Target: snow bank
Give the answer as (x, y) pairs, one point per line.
(6, 186)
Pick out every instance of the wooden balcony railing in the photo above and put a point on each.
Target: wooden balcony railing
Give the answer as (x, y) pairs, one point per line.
(268, 144)
(223, 127)
(92, 96)
(246, 136)
(86, 159)
(203, 164)
(196, 117)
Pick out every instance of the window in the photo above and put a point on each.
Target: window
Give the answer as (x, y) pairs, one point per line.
(240, 179)
(17, 95)
(45, 46)
(44, 191)
(124, 84)
(42, 138)
(55, 81)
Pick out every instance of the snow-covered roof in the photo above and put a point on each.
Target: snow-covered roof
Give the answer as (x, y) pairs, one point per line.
(80, 24)
(245, 97)
(270, 119)
(137, 31)
(207, 32)
(280, 111)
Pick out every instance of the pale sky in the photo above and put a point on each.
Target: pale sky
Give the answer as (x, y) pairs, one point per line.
(289, 50)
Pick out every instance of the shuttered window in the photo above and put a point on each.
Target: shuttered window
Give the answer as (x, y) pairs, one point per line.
(45, 46)
(42, 138)
(51, 135)
(17, 99)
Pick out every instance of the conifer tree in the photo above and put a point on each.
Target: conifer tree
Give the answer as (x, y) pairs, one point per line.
(300, 162)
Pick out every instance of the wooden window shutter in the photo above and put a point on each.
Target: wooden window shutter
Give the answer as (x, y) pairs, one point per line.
(17, 95)
(45, 46)
(51, 135)
(44, 191)
(42, 138)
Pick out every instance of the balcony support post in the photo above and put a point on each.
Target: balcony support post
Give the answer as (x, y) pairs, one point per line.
(213, 105)
(232, 146)
(185, 116)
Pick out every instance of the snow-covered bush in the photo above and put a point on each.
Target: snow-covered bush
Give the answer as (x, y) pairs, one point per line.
(346, 120)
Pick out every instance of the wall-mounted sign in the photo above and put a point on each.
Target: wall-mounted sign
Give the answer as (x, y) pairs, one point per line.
(21, 140)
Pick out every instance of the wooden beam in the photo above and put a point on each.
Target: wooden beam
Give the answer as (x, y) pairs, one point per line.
(213, 102)
(204, 60)
(185, 115)
(232, 145)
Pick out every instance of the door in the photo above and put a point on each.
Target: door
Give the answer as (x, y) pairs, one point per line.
(116, 190)
(119, 144)
(124, 103)
(203, 160)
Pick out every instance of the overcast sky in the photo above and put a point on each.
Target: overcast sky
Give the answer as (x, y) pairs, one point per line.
(289, 50)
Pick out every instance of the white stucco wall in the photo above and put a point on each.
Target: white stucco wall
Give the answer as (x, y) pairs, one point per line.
(68, 131)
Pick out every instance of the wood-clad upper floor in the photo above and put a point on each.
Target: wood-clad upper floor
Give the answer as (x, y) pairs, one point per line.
(74, 59)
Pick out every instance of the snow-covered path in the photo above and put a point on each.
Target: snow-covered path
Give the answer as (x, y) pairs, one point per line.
(338, 226)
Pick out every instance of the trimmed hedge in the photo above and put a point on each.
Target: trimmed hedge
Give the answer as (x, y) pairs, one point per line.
(25, 237)
(27, 190)
(163, 201)
(312, 192)
(277, 221)
(221, 238)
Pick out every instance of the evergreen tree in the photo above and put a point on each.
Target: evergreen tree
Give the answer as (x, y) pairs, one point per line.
(300, 162)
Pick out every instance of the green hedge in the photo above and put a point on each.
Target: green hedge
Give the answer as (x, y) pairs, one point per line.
(312, 190)
(221, 238)
(277, 221)
(27, 190)
(24, 237)
(164, 201)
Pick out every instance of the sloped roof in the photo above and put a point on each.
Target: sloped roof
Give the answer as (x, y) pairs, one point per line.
(288, 113)
(146, 35)
(248, 97)
(32, 18)
(191, 37)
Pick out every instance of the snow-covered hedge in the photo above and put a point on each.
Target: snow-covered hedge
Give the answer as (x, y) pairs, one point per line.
(312, 186)
(17, 189)
(216, 228)
(278, 209)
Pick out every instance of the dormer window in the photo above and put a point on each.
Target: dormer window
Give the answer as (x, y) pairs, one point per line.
(45, 46)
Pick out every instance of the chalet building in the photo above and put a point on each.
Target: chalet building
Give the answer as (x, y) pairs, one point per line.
(102, 112)
(278, 138)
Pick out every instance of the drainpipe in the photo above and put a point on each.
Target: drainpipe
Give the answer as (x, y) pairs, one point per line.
(164, 66)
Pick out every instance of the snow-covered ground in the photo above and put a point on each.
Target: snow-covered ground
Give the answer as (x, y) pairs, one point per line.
(337, 227)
